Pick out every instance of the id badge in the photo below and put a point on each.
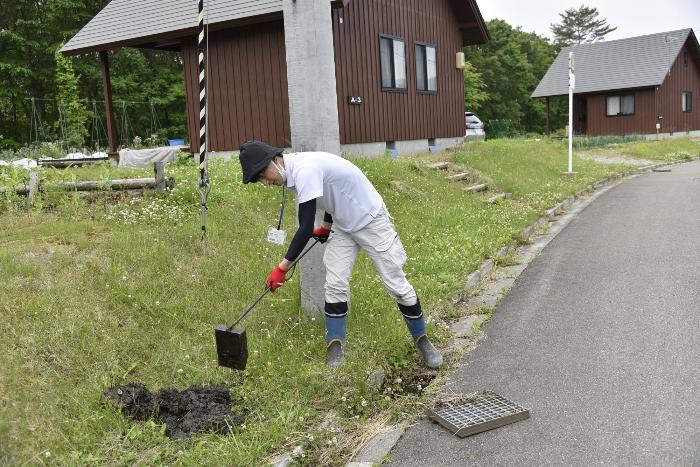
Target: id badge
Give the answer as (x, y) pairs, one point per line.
(276, 236)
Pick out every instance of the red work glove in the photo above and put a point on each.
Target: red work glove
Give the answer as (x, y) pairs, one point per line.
(276, 279)
(321, 234)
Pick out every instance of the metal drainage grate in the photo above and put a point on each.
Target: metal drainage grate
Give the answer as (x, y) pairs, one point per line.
(486, 411)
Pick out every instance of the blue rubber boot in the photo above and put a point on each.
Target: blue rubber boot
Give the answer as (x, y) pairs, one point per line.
(336, 324)
(413, 315)
(416, 326)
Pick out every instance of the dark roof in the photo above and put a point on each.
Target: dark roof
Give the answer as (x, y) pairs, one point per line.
(637, 62)
(471, 23)
(137, 22)
(153, 23)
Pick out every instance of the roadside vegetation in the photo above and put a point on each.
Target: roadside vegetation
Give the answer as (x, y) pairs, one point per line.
(677, 149)
(114, 290)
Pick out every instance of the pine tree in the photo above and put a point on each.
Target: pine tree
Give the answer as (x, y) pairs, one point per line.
(579, 26)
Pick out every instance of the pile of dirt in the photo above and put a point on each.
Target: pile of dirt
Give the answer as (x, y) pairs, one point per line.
(194, 410)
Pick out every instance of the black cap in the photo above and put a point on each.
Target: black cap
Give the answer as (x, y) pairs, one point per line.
(254, 157)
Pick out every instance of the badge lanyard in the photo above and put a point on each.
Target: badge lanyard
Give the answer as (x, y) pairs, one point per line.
(278, 236)
(284, 202)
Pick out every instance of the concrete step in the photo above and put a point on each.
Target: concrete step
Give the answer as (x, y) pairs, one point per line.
(498, 197)
(459, 177)
(439, 165)
(477, 188)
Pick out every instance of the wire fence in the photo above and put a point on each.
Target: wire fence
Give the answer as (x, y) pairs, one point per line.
(503, 128)
(133, 119)
(43, 120)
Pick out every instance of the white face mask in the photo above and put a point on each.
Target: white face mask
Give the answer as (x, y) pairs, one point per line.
(281, 171)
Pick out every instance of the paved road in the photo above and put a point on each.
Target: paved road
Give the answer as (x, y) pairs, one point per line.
(599, 338)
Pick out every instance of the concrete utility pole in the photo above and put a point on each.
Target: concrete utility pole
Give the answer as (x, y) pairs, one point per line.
(313, 110)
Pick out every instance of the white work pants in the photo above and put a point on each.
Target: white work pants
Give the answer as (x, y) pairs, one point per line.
(383, 245)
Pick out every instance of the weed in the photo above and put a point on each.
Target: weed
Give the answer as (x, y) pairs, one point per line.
(509, 259)
(478, 324)
(591, 142)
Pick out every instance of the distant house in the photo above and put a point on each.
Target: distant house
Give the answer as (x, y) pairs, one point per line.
(393, 81)
(628, 86)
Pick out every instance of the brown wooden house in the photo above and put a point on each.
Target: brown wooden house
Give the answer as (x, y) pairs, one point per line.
(371, 74)
(628, 86)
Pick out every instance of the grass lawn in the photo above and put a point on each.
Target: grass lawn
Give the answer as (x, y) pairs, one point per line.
(674, 149)
(99, 293)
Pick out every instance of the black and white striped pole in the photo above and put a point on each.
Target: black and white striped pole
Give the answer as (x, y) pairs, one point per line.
(204, 183)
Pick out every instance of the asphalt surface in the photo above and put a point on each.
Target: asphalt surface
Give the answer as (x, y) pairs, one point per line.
(599, 338)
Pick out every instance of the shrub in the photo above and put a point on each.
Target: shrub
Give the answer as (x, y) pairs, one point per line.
(590, 142)
(75, 115)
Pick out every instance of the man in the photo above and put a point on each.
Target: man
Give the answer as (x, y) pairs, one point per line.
(355, 218)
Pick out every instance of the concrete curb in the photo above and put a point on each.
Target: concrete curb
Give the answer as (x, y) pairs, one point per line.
(487, 267)
(376, 449)
(572, 206)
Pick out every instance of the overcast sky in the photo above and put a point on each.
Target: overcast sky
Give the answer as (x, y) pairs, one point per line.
(632, 17)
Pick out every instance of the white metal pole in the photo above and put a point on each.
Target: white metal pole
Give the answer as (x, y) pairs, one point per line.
(572, 84)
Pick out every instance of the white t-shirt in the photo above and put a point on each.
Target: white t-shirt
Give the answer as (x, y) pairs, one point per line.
(339, 187)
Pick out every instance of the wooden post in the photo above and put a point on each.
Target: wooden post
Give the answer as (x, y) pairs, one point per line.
(109, 107)
(33, 186)
(128, 184)
(549, 121)
(159, 169)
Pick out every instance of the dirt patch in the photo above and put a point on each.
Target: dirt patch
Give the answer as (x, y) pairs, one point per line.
(196, 409)
(408, 382)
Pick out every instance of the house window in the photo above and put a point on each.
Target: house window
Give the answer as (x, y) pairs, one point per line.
(393, 58)
(687, 101)
(685, 58)
(426, 68)
(620, 105)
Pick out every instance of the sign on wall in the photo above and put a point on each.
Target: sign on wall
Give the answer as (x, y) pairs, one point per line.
(355, 100)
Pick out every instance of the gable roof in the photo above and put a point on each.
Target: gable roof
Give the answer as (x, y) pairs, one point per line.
(124, 23)
(152, 23)
(471, 23)
(636, 62)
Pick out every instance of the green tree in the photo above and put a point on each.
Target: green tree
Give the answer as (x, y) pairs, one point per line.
(75, 116)
(580, 25)
(474, 88)
(30, 32)
(16, 66)
(511, 65)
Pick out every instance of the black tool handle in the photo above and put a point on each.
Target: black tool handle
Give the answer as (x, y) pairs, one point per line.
(245, 313)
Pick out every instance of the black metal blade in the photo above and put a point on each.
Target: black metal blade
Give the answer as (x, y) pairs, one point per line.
(231, 347)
